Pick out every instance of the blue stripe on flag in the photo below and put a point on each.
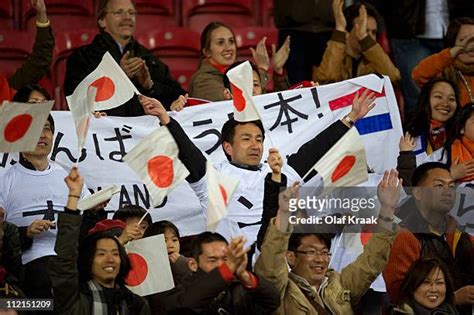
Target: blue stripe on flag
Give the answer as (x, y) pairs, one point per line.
(374, 124)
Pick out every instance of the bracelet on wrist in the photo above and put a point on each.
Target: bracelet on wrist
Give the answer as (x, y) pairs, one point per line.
(74, 196)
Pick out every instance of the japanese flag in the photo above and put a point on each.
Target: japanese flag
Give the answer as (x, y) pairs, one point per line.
(21, 125)
(151, 271)
(113, 86)
(220, 190)
(155, 160)
(241, 83)
(344, 164)
(81, 113)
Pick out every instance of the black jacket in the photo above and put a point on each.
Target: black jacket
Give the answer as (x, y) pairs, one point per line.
(70, 296)
(86, 58)
(209, 293)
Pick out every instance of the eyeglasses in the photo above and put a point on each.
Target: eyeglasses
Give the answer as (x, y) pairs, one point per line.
(313, 253)
(120, 13)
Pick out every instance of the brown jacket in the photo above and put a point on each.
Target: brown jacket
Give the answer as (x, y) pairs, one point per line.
(339, 292)
(208, 83)
(337, 64)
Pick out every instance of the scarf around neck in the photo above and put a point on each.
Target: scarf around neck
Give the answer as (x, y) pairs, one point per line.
(100, 301)
(437, 135)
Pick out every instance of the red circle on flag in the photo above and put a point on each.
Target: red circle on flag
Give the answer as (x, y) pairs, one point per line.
(139, 270)
(343, 167)
(105, 88)
(160, 170)
(238, 98)
(17, 127)
(224, 194)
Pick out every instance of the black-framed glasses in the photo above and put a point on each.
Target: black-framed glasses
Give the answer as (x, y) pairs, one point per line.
(312, 253)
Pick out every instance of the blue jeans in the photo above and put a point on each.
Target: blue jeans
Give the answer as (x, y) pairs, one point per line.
(407, 54)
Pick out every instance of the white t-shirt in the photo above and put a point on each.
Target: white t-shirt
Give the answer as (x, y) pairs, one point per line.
(246, 205)
(29, 195)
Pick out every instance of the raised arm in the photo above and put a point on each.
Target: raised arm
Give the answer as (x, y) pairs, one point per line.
(359, 275)
(310, 152)
(63, 267)
(37, 64)
(189, 154)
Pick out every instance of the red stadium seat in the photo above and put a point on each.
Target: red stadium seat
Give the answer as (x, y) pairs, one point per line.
(198, 13)
(15, 46)
(177, 47)
(247, 37)
(66, 42)
(7, 16)
(153, 14)
(266, 12)
(63, 14)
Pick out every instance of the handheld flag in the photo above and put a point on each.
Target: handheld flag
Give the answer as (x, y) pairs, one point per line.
(21, 125)
(113, 86)
(155, 160)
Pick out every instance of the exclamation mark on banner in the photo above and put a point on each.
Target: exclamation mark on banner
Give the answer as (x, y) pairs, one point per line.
(314, 92)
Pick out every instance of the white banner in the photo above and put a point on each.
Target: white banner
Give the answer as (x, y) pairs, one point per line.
(291, 118)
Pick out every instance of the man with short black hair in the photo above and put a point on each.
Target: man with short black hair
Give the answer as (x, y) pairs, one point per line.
(220, 283)
(311, 287)
(353, 50)
(242, 143)
(429, 231)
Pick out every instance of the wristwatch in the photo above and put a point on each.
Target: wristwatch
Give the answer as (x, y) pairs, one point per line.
(348, 120)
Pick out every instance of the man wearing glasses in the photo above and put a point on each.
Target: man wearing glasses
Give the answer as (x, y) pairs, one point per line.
(116, 20)
(311, 287)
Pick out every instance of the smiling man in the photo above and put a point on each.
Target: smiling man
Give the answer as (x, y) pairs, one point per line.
(32, 194)
(430, 232)
(89, 279)
(116, 20)
(311, 287)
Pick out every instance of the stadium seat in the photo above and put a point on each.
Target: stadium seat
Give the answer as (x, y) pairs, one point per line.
(177, 47)
(7, 15)
(15, 46)
(66, 42)
(63, 14)
(155, 14)
(197, 14)
(266, 13)
(247, 37)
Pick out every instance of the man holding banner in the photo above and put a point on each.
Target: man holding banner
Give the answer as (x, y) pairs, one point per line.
(243, 146)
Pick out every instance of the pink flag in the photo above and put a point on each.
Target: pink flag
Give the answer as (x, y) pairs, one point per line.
(155, 160)
(21, 125)
(113, 86)
(241, 83)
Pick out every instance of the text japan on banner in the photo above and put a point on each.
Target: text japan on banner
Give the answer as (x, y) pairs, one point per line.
(344, 165)
(220, 190)
(241, 82)
(151, 271)
(21, 125)
(113, 86)
(155, 160)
